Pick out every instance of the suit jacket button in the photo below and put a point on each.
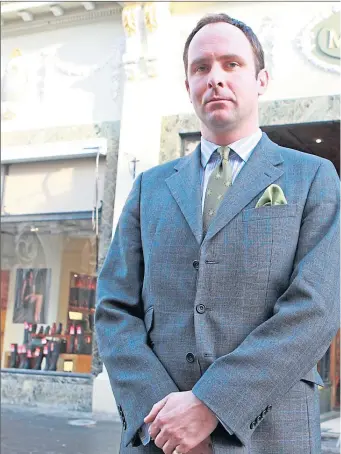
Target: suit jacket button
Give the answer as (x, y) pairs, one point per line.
(259, 419)
(200, 308)
(269, 407)
(190, 357)
(252, 425)
(196, 264)
(264, 412)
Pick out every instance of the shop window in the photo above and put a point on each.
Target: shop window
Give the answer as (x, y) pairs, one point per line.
(323, 367)
(48, 286)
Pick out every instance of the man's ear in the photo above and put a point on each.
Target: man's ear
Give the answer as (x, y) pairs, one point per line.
(188, 90)
(262, 81)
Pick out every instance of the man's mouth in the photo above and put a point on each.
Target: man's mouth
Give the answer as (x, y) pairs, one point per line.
(218, 100)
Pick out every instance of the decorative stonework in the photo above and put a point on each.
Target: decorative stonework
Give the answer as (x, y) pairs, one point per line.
(42, 24)
(280, 112)
(27, 247)
(131, 21)
(28, 80)
(306, 40)
(150, 17)
(156, 20)
(82, 72)
(15, 85)
(144, 26)
(267, 36)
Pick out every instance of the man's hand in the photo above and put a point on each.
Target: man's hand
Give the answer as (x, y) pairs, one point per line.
(180, 421)
(205, 447)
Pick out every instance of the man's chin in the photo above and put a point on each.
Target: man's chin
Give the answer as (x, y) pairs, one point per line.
(220, 122)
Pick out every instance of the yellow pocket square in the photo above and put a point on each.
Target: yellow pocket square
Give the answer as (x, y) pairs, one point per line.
(273, 195)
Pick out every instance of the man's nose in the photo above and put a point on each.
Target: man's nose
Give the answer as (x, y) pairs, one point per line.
(216, 78)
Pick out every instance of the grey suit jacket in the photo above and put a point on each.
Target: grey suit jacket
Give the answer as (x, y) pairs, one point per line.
(240, 317)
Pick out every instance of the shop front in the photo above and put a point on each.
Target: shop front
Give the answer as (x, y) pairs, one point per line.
(60, 126)
(50, 220)
(48, 280)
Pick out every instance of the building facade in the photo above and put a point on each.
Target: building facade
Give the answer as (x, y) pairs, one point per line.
(92, 94)
(61, 100)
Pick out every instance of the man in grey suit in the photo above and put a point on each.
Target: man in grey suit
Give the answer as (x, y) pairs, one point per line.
(220, 291)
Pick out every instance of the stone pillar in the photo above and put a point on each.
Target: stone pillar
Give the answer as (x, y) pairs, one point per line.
(141, 114)
(140, 131)
(103, 402)
(111, 132)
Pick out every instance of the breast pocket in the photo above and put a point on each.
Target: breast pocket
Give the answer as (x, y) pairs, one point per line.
(270, 212)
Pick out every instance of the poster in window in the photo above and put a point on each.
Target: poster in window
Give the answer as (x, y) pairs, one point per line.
(32, 291)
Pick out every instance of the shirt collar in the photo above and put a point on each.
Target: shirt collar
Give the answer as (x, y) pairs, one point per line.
(243, 147)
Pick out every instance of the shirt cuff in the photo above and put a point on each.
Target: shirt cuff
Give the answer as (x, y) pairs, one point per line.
(225, 426)
(144, 434)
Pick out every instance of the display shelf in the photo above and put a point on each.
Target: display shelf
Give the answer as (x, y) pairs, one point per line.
(82, 299)
(81, 309)
(70, 362)
(80, 362)
(59, 336)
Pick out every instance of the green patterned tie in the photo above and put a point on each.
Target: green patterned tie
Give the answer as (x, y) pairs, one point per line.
(220, 179)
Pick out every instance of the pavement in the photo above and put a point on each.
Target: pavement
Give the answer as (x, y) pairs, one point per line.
(36, 431)
(330, 433)
(43, 431)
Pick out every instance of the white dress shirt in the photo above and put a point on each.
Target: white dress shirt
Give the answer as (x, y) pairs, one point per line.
(242, 150)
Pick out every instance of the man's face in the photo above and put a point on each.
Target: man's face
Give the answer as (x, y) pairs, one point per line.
(221, 78)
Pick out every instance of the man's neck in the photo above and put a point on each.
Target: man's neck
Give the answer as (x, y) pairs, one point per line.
(226, 137)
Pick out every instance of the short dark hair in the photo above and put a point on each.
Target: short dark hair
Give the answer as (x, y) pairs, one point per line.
(257, 49)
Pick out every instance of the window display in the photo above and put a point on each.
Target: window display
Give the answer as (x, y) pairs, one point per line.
(51, 281)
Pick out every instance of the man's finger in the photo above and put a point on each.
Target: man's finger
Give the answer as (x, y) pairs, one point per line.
(169, 447)
(155, 410)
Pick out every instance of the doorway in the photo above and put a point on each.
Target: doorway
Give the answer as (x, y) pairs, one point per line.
(318, 138)
(321, 139)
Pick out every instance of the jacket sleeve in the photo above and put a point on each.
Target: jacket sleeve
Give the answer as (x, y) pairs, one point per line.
(244, 385)
(137, 377)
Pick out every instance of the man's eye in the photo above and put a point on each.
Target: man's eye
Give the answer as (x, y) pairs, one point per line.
(232, 64)
(201, 68)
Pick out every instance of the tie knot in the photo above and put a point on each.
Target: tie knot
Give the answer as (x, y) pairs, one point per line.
(224, 153)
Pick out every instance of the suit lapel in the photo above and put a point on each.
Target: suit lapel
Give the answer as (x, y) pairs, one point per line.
(256, 175)
(185, 186)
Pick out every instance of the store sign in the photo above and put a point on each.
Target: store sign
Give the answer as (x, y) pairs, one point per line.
(327, 39)
(319, 40)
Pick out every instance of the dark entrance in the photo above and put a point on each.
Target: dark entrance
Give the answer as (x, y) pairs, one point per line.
(321, 139)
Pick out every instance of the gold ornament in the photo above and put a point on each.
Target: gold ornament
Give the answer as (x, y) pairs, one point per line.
(16, 53)
(150, 19)
(129, 19)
